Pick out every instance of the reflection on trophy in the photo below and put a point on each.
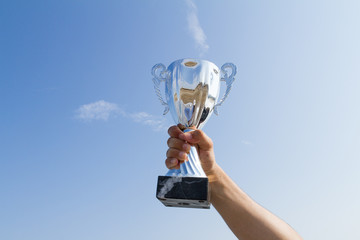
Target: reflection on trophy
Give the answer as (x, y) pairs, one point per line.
(191, 89)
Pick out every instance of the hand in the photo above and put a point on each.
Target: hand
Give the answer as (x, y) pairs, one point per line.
(179, 146)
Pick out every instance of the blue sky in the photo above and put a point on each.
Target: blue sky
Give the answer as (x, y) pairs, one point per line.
(83, 139)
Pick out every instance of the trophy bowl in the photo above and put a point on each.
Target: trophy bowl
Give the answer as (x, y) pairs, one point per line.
(192, 89)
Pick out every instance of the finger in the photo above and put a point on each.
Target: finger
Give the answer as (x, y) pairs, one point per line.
(171, 163)
(197, 137)
(175, 153)
(178, 144)
(174, 131)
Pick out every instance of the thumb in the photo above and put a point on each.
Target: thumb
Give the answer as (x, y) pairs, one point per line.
(197, 137)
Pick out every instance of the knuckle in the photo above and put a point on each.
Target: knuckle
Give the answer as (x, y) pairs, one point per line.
(198, 134)
(168, 152)
(171, 152)
(211, 144)
(167, 163)
(175, 143)
(170, 130)
(169, 141)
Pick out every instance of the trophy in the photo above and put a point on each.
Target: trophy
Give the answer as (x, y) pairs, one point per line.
(192, 89)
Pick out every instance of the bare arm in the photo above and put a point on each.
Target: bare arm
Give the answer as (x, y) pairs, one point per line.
(246, 218)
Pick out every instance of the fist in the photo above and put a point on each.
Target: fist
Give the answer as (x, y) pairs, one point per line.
(179, 144)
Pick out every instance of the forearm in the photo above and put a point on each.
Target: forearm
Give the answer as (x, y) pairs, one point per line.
(246, 218)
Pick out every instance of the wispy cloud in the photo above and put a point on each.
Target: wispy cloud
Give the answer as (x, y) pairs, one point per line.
(194, 27)
(102, 110)
(99, 110)
(246, 142)
(156, 123)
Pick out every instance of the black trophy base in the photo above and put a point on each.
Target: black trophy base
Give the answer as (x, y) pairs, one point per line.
(187, 192)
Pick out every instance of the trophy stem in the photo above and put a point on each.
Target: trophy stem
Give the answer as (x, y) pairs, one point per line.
(190, 168)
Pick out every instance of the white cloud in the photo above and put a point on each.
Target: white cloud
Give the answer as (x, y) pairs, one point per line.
(195, 29)
(102, 110)
(156, 123)
(99, 110)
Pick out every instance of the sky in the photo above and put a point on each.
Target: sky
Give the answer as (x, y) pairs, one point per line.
(83, 138)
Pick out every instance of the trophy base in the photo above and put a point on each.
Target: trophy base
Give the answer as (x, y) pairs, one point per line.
(186, 192)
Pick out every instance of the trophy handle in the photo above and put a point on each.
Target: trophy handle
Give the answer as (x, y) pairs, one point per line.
(228, 80)
(160, 76)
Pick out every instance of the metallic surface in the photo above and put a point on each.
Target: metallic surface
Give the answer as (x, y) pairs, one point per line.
(192, 89)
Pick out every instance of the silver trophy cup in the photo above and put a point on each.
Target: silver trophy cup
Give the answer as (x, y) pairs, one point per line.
(192, 89)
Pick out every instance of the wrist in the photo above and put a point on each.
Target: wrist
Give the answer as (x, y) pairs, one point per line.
(214, 174)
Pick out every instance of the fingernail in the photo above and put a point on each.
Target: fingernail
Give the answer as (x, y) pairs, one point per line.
(182, 155)
(173, 161)
(182, 136)
(186, 147)
(188, 136)
(185, 136)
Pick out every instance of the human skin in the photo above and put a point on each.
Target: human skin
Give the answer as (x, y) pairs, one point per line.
(245, 218)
